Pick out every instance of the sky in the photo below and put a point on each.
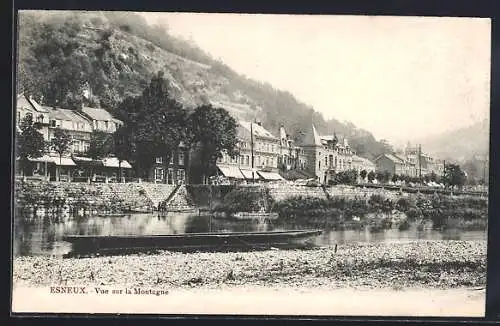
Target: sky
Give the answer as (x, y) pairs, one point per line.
(401, 78)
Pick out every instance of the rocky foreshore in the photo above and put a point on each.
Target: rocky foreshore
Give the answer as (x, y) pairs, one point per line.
(438, 264)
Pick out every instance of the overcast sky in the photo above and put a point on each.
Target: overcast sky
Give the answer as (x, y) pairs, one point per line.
(399, 77)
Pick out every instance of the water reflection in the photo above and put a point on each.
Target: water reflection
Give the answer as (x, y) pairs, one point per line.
(42, 237)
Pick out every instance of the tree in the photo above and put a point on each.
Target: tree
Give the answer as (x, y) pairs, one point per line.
(214, 130)
(60, 143)
(162, 123)
(371, 176)
(30, 143)
(395, 178)
(122, 146)
(454, 176)
(101, 145)
(433, 177)
(363, 174)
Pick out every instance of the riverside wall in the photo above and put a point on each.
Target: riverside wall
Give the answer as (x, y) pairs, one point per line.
(101, 196)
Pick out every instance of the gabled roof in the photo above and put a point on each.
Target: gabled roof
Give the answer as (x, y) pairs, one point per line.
(391, 157)
(257, 129)
(25, 101)
(362, 159)
(98, 114)
(67, 115)
(311, 137)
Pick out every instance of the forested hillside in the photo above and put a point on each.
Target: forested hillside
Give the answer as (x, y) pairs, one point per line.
(100, 58)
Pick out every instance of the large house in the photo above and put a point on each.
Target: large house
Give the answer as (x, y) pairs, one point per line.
(291, 157)
(257, 143)
(326, 155)
(79, 125)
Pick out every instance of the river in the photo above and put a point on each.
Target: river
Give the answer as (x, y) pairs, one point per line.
(42, 237)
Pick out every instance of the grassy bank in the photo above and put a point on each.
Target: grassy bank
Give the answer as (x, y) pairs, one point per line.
(440, 264)
(442, 212)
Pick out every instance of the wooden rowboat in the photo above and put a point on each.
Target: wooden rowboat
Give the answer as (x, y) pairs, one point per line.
(87, 243)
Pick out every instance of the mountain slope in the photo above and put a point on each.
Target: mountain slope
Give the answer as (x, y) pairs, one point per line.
(100, 58)
(460, 144)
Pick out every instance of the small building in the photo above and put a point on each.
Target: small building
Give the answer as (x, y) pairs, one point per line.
(173, 171)
(360, 163)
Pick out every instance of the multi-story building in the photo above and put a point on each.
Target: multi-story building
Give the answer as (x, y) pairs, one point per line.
(263, 146)
(79, 125)
(326, 155)
(291, 156)
(173, 171)
(101, 119)
(26, 106)
(420, 163)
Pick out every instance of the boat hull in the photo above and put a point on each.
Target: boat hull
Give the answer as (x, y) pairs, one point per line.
(194, 240)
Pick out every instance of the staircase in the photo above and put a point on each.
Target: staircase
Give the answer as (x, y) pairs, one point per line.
(179, 199)
(157, 193)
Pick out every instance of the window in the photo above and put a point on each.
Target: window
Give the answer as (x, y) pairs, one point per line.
(258, 160)
(267, 161)
(53, 123)
(181, 176)
(159, 160)
(272, 162)
(40, 118)
(159, 174)
(171, 160)
(326, 160)
(181, 158)
(319, 164)
(170, 176)
(106, 124)
(242, 160)
(29, 115)
(248, 160)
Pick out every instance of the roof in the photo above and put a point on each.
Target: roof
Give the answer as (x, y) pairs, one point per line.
(311, 137)
(391, 157)
(98, 114)
(113, 162)
(362, 159)
(272, 176)
(23, 100)
(67, 115)
(258, 130)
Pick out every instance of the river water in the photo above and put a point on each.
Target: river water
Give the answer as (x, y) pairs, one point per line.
(42, 237)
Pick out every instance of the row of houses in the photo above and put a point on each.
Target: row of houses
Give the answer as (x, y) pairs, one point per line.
(411, 162)
(262, 155)
(316, 157)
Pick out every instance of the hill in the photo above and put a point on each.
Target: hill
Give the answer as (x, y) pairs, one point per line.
(460, 144)
(100, 58)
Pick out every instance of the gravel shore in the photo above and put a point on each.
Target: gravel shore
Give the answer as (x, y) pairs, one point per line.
(428, 264)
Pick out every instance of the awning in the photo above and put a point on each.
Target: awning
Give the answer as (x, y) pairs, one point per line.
(113, 162)
(231, 171)
(64, 161)
(248, 174)
(271, 176)
(45, 158)
(86, 161)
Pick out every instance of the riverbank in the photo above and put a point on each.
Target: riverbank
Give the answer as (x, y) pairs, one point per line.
(396, 266)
